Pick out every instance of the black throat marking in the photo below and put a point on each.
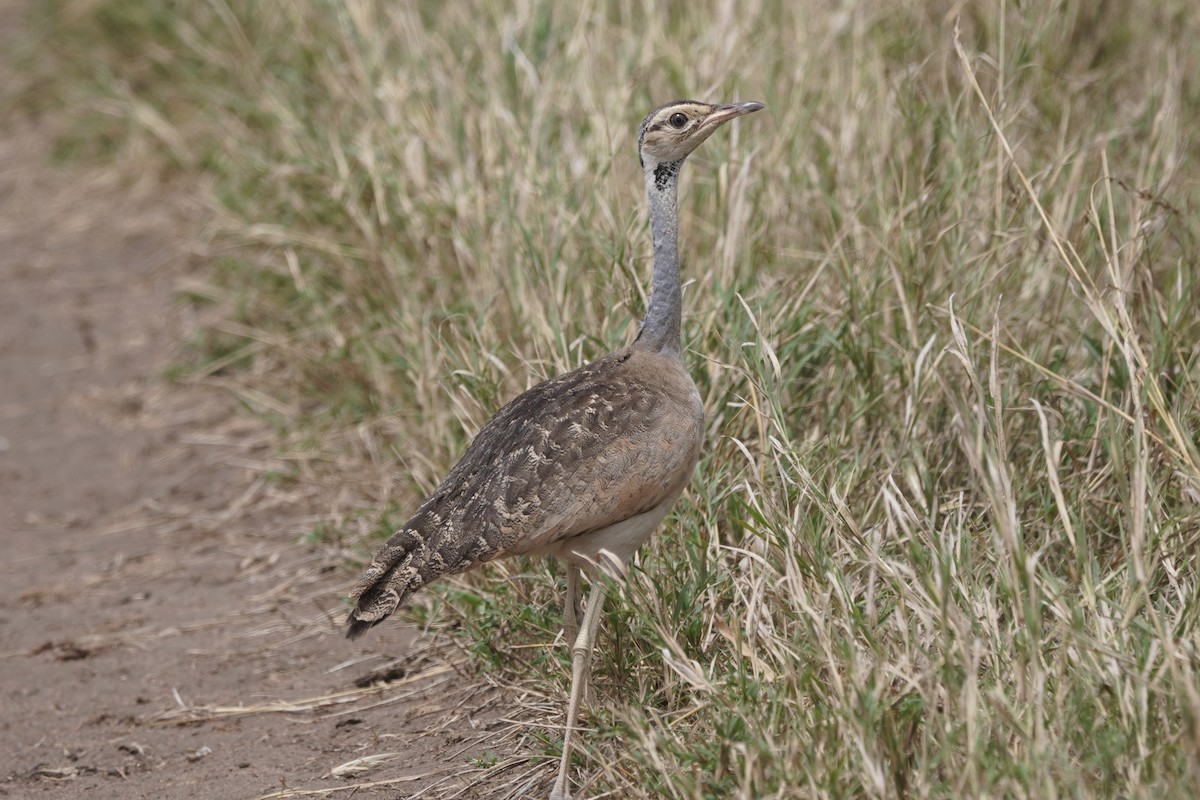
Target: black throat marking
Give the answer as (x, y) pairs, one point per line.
(664, 172)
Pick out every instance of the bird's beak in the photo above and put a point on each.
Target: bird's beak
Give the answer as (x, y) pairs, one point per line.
(724, 113)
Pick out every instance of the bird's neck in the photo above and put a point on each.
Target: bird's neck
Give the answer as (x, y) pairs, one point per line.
(660, 329)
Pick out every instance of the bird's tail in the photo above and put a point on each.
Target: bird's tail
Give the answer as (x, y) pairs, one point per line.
(398, 570)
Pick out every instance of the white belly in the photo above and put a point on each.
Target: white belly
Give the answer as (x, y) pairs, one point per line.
(621, 539)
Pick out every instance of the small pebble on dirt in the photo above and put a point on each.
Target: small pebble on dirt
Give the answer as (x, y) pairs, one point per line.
(196, 755)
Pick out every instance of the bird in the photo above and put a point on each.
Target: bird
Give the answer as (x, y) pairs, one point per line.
(583, 466)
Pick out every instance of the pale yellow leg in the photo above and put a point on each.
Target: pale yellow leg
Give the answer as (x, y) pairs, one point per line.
(581, 655)
(571, 607)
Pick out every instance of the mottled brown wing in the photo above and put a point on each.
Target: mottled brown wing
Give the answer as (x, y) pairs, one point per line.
(573, 454)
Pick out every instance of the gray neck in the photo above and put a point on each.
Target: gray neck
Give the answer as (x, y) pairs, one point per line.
(660, 329)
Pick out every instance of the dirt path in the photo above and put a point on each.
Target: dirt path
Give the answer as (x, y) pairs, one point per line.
(164, 632)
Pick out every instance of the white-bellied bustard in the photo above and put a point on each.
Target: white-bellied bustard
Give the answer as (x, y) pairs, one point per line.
(585, 464)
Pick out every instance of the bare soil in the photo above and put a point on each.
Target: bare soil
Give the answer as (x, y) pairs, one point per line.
(165, 630)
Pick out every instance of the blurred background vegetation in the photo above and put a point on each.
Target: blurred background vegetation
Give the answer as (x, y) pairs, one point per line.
(941, 308)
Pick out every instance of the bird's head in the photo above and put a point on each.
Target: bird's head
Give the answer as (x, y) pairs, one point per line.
(669, 133)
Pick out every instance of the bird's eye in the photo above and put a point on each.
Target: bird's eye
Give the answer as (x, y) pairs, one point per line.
(678, 119)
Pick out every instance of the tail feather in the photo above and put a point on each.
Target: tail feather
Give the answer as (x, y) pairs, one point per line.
(394, 574)
(410, 560)
(357, 627)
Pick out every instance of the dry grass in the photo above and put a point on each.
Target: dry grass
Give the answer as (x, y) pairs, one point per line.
(942, 311)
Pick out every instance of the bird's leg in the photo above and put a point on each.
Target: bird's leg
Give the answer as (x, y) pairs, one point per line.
(581, 655)
(572, 606)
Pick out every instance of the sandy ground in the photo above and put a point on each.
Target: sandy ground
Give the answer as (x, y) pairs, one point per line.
(165, 631)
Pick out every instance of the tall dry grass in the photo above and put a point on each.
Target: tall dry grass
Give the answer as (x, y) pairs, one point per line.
(941, 308)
